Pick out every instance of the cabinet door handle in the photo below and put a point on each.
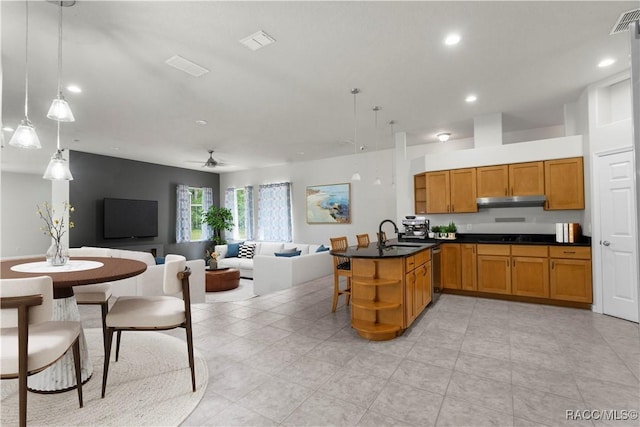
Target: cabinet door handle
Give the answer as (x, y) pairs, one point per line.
(512, 191)
(553, 264)
(606, 243)
(453, 208)
(506, 191)
(570, 252)
(547, 202)
(508, 263)
(514, 263)
(448, 208)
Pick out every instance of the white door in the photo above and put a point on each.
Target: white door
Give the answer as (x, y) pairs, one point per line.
(617, 235)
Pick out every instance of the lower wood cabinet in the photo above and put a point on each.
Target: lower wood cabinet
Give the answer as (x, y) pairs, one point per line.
(494, 269)
(450, 273)
(530, 271)
(570, 274)
(468, 267)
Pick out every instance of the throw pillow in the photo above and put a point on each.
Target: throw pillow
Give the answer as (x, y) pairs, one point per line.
(246, 251)
(286, 251)
(159, 260)
(232, 249)
(322, 248)
(288, 254)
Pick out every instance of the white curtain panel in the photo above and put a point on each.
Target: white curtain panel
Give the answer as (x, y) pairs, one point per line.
(207, 202)
(248, 211)
(274, 212)
(183, 214)
(229, 203)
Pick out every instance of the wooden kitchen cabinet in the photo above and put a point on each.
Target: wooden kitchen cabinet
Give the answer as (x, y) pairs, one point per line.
(451, 191)
(417, 284)
(468, 267)
(438, 192)
(530, 271)
(570, 274)
(420, 193)
(516, 179)
(450, 273)
(463, 190)
(494, 268)
(564, 183)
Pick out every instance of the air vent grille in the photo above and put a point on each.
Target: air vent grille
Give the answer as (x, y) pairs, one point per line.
(186, 66)
(257, 40)
(622, 24)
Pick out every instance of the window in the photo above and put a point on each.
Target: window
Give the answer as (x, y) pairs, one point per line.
(196, 213)
(240, 202)
(191, 202)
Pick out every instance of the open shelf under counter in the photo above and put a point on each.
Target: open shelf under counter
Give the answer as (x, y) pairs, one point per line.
(370, 281)
(374, 305)
(375, 331)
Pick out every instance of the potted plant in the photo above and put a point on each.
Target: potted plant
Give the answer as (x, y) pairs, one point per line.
(219, 219)
(451, 230)
(435, 231)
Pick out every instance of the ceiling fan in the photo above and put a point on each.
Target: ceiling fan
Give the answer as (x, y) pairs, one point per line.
(211, 162)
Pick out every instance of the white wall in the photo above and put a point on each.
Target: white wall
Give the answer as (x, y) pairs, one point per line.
(20, 232)
(369, 204)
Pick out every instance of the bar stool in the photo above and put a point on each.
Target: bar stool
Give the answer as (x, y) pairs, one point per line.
(363, 240)
(341, 267)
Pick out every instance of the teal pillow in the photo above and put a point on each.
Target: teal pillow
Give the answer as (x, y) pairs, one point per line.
(233, 249)
(322, 248)
(288, 254)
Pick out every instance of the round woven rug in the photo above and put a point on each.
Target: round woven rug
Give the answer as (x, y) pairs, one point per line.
(150, 385)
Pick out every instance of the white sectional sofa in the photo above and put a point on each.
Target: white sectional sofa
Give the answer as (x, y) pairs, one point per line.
(149, 283)
(272, 273)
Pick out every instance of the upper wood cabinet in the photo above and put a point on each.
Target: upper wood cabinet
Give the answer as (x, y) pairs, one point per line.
(451, 191)
(420, 193)
(517, 179)
(564, 183)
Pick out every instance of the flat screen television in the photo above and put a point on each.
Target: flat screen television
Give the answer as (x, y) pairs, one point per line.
(126, 218)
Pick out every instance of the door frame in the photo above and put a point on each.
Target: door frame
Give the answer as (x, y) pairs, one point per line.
(596, 248)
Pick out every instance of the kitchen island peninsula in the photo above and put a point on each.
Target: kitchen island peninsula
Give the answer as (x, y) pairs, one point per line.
(390, 286)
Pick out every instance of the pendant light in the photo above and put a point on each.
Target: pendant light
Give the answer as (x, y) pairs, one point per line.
(377, 181)
(58, 168)
(60, 109)
(355, 92)
(25, 135)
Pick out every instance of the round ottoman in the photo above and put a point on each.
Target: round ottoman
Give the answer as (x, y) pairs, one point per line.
(222, 279)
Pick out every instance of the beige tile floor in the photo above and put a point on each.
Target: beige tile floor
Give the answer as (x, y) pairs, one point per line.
(285, 359)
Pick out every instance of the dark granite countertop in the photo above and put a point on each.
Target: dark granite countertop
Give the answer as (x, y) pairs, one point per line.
(504, 239)
(393, 249)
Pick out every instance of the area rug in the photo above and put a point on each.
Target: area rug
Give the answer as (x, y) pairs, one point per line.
(241, 293)
(150, 385)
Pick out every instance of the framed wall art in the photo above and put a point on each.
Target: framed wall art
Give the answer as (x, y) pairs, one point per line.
(329, 204)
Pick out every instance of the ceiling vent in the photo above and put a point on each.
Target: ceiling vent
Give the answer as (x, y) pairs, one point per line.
(257, 40)
(622, 24)
(186, 66)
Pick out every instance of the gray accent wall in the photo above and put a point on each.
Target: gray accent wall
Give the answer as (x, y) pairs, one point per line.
(97, 177)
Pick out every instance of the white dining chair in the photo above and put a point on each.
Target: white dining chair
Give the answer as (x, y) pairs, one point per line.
(154, 313)
(96, 294)
(29, 340)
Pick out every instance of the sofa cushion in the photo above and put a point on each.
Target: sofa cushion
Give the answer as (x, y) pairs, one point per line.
(145, 257)
(246, 251)
(322, 248)
(269, 248)
(288, 250)
(232, 249)
(288, 254)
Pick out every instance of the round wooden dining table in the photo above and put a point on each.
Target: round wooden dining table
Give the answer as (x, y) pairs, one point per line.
(77, 272)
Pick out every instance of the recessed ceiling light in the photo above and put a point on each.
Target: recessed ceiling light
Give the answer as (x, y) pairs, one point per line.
(444, 136)
(452, 39)
(186, 66)
(7, 129)
(471, 98)
(606, 62)
(201, 122)
(74, 89)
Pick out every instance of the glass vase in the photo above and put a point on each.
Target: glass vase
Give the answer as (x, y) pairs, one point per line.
(57, 254)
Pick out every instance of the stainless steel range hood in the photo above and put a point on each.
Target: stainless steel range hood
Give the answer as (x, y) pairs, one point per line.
(511, 202)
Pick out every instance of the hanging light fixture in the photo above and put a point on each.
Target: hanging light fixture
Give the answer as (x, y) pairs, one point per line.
(355, 92)
(25, 135)
(377, 181)
(444, 137)
(393, 154)
(58, 168)
(60, 109)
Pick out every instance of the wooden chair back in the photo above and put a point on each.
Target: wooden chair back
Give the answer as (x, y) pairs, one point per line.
(363, 240)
